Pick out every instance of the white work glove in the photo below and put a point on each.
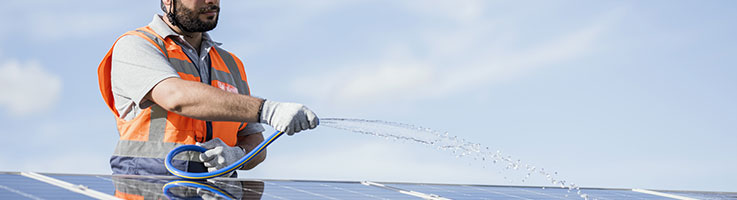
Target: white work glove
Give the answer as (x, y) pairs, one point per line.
(219, 155)
(289, 118)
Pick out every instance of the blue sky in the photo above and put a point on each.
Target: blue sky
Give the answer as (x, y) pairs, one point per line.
(626, 94)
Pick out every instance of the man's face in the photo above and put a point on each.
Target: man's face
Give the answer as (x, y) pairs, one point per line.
(197, 15)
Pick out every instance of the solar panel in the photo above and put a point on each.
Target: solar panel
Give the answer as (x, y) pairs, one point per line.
(328, 190)
(15, 185)
(151, 187)
(703, 195)
(509, 192)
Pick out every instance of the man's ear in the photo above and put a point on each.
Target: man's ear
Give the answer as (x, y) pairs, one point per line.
(165, 5)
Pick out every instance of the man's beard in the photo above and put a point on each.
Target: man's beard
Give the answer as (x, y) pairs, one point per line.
(189, 20)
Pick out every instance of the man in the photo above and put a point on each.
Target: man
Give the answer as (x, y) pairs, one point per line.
(170, 84)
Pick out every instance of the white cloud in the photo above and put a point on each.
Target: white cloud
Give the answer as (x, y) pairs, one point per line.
(445, 70)
(385, 79)
(513, 65)
(461, 11)
(371, 82)
(437, 62)
(78, 162)
(27, 88)
(43, 21)
(273, 29)
(53, 26)
(67, 154)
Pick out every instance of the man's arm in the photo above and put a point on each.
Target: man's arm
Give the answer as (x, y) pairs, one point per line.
(248, 143)
(204, 102)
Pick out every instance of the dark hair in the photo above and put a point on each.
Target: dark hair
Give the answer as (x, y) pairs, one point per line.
(163, 8)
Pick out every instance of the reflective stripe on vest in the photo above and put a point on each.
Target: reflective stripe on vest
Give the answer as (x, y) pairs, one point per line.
(154, 132)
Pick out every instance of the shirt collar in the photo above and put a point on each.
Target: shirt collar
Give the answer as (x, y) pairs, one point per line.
(163, 29)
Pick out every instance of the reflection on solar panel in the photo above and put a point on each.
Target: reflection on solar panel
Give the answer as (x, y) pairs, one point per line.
(15, 185)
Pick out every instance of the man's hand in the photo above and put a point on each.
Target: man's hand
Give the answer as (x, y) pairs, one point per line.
(219, 155)
(289, 118)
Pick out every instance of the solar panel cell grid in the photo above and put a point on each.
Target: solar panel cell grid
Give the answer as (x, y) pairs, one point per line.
(98, 183)
(151, 188)
(705, 195)
(495, 192)
(14, 186)
(618, 194)
(328, 190)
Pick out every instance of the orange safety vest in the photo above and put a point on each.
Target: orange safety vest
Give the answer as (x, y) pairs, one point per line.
(146, 139)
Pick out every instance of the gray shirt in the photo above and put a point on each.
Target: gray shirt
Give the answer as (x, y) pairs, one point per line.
(138, 65)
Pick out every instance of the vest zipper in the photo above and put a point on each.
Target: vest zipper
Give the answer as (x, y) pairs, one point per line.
(209, 123)
(208, 137)
(204, 78)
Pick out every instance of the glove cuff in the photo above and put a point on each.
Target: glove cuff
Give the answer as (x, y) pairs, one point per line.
(267, 111)
(261, 111)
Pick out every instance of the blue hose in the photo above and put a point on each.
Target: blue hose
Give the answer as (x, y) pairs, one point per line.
(205, 175)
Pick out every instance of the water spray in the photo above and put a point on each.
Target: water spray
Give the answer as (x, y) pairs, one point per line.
(388, 130)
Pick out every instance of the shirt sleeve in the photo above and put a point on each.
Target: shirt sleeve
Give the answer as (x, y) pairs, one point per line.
(137, 66)
(251, 128)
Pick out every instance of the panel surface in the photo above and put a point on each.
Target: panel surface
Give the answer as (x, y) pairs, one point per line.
(327, 190)
(13, 186)
(150, 187)
(102, 184)
(503, 192)
(704, 195)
